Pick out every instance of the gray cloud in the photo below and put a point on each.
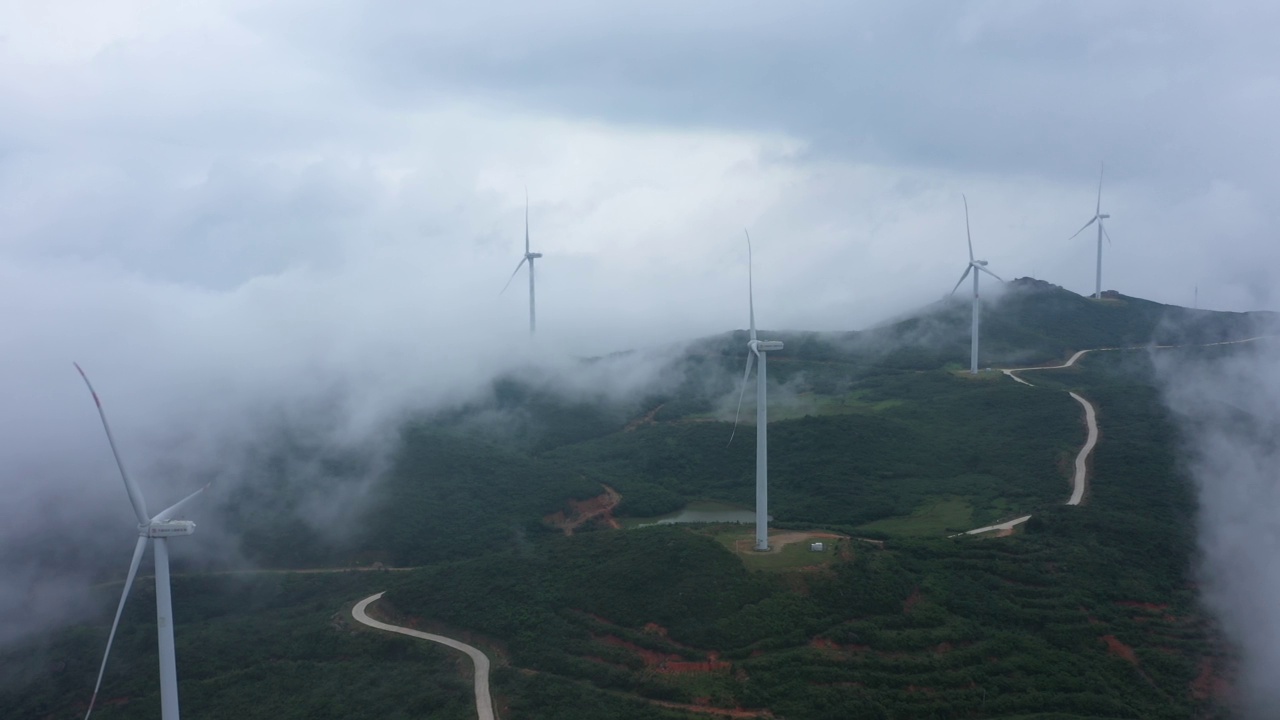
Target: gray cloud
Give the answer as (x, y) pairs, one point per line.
(235, 213)
(1041, 89)
(1226, 406)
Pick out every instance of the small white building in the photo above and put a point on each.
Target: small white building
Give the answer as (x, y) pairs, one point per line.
(817, 547)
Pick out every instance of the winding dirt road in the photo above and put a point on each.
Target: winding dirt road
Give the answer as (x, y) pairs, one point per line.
(484, 701)
(1080, 480)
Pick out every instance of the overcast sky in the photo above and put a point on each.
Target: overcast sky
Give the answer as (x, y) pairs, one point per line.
(224, 207)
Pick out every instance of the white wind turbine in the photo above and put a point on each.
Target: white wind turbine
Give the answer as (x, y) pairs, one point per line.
(529, 257)
(976, 267)
(758, 348)
(157, 529)
(1098, 217)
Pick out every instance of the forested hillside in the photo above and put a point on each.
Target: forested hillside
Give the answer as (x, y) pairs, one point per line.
(875, 437)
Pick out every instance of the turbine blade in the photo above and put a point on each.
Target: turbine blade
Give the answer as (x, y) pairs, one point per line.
(751, 359)
(1106, 234)
(962, 277)
(526, 220)
(135, 495)
(523, 260)
(967, 236)
(1086, 226)
(169, 511)
(751, 291)
(128, 583)
(983, 269)
(1102, 168)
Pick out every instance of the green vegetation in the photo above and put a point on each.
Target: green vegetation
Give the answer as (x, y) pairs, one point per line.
(943, 516)
(1087, 612)
(279, 646)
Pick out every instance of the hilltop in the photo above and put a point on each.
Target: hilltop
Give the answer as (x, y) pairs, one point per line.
(1086, 611)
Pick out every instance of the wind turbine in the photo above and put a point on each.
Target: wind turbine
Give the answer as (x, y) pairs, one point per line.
(157, 528)
(758, 348)
(529, 257)
(976, 267)
(1098, 217)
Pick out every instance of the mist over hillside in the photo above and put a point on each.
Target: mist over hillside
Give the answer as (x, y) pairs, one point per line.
(1227, 409)
(877, 434)
(308, 472)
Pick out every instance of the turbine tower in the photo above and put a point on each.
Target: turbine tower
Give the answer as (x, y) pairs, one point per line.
(976, 267)
(758, 349)
(158, 529)
(529, 257)
(1098, 217)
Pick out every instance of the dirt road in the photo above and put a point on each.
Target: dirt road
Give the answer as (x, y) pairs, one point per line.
(1007, 525)
(484, 701)
(1079, 481)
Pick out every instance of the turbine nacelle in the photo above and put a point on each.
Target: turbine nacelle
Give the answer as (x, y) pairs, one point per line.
(1103, 216)
(981, 263)
(167, 528)
(532, 256)
(759, 346)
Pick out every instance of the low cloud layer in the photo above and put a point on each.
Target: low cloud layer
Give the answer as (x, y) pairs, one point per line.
(1228, 406)
(241, 217)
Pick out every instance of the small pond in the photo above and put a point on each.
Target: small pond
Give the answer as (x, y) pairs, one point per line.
(702, 511)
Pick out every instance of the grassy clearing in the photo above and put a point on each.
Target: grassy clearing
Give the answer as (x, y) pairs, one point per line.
(791, 556)
(938, 517)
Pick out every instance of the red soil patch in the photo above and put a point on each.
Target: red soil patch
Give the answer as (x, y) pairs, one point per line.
(1119, 649)
(679, 667)
(669, 663)
(1209, 684)
(580, 512)
(823, 644)
(943, 648)
(654, 629)
(912, 600)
